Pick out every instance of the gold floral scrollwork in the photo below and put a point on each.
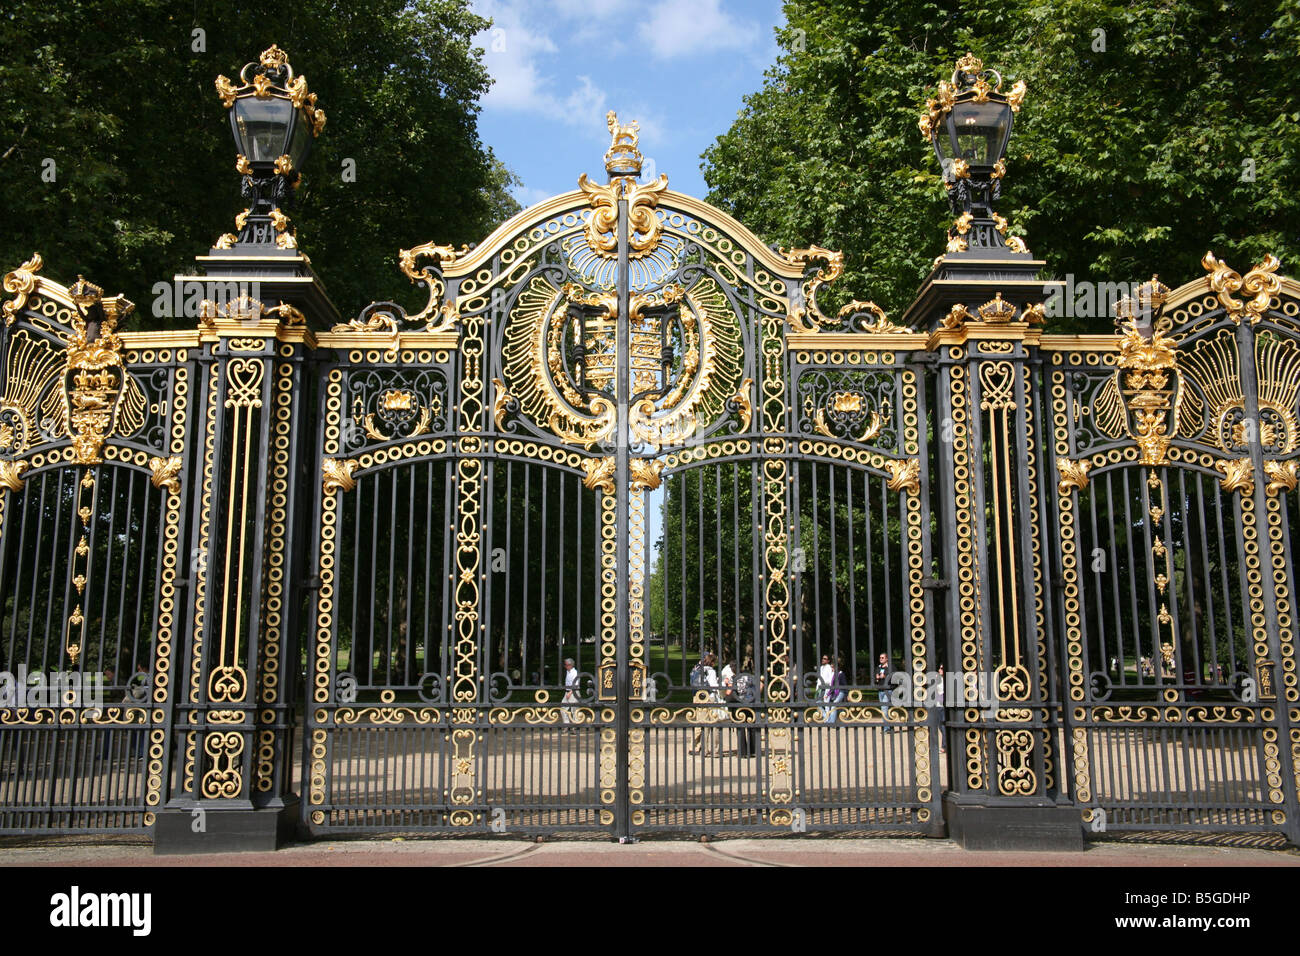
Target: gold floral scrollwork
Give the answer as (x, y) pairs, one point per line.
(442, 255)
(1016, 98)
(228, 684)
(1017, 244)
(807, 317)
(1260, 283)
(1015, 768)
(1238, 474)
(225, 91)
(1074, 474)
(225, 778)
(646, 473)
(21, 283)
(166, 473)
(501, 403)
(644, 227)
(338, 474)
(1283, 476)
(11, 474)
(905, 475)
(599, 474)
(744, 407)
(882, 323)
(383, 323)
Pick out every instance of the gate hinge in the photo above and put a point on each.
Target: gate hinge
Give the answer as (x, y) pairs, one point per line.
(934, 584)
(310, 584)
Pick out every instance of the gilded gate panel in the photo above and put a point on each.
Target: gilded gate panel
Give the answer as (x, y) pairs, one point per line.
(93, 429)
(1183, 424)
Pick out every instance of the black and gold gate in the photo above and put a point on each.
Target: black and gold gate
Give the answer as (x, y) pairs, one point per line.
(620, 436)
(625, 533)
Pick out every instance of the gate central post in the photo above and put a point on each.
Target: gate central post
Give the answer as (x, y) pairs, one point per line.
(623, 378)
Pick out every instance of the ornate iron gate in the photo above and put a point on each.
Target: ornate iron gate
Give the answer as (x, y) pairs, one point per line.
(92, 428)
(1175, 454)
(612, 357)
(497, 535)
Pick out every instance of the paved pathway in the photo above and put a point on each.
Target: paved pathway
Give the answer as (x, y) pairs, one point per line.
(782, 852)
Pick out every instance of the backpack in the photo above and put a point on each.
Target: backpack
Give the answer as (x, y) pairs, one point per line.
(745, 689)
(697, 675)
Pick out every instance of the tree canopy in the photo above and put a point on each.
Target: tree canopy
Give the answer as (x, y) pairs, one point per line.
(115, 103)
(1153, 131)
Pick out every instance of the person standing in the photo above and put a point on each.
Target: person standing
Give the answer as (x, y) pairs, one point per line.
(882, 685)
(568, 712)
(707, 681)
(825, 677)
(747, 687)
(838, 690)
(728, 680)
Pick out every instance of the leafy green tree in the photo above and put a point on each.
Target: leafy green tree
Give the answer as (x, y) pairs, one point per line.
(1141, 143)
(116, 159)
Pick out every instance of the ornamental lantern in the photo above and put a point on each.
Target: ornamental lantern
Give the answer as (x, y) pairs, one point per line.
(274, 120)
(969, 125)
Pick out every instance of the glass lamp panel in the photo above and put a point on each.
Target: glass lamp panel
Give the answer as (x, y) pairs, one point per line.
(300, 139)
(979, 131)
(261, 127)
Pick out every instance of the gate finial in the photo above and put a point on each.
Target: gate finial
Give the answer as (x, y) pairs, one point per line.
(622, 158)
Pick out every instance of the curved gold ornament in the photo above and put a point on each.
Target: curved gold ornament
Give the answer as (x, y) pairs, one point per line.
(1016, 244)
(1147, 386)
(905, 475)
(1238, 474)
(644, 227)
(599, 474)
(11, 474)
(166, 473)
(337, 474)
(744, 406)
(21, 283)
(442, 255)
(807, 317)
(1074, 475)
(225, 91)
(1283, 474)
(882, 323)
(500, 403)
(646, 473)
(1260, 283)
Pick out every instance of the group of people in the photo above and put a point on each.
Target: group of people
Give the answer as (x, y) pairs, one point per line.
(733, 690)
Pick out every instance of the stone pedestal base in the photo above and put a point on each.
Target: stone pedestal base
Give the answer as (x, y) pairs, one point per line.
(223, 829)
(1028, 827)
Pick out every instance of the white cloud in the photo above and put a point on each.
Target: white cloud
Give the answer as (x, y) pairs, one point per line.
(517, 46)
(677, 28)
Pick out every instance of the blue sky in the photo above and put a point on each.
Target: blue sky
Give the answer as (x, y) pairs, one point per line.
(679, 67)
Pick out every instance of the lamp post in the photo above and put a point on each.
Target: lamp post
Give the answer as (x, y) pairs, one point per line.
(969, 125)
(274, 120)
